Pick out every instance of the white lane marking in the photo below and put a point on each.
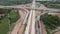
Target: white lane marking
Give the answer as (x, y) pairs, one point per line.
(28, 24)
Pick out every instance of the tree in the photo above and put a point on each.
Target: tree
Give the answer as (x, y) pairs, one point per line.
(50, 21)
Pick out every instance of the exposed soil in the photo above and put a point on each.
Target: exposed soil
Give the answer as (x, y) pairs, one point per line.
(18, 27)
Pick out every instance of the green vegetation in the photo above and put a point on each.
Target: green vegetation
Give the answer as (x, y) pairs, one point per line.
(4, 22)
(14, 2)
(4, 11)
(51, 2)
(4, 25)
(14, 15)
(52, 5)
(51, 22)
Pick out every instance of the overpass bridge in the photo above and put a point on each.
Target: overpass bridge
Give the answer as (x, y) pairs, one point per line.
(29, 8)
(31, 17)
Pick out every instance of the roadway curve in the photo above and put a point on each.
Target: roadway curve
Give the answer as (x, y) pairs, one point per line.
(19, 23)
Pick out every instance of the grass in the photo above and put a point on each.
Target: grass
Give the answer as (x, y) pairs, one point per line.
(52, 5)
(4, 28)
(10, 3)
(14, 17)
(51, 22)
(48, 32)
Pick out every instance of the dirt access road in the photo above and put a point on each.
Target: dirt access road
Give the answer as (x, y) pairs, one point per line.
(19, 23)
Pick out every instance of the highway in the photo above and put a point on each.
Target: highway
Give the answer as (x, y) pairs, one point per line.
(18, 23)
(31, 19)
(22, 21)
(38, 24)
(28, 21)
(25, 7)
